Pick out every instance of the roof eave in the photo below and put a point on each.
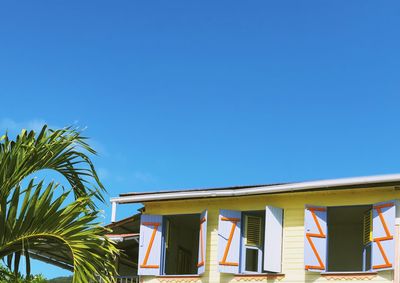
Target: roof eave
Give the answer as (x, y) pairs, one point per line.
(290, 187)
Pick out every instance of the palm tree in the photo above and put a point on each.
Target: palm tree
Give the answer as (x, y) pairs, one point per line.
(35, 216)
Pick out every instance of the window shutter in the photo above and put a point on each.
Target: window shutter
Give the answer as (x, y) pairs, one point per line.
(150, 244)
(315, 238)
(273, 239)
(252, 233)
(383, 226)
(229, 235)
(202, 243)
(367, 227)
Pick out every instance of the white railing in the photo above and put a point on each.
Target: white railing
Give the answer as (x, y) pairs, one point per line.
(128, 279)
(124, 279)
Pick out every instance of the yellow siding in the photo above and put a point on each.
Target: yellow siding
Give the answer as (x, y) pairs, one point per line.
(293, 233)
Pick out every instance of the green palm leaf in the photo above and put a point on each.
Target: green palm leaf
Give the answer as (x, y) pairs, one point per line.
(35, 218)
(72, 230)
(61, 151)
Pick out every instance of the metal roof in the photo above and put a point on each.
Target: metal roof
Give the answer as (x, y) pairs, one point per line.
(201, 189)
(344, 183)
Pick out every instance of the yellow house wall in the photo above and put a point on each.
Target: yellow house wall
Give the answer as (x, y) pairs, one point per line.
(293, 231)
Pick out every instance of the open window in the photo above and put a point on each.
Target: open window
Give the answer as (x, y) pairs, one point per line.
(173, 244)
(181, 244)
(250, 241)
(349, 238)
(349, 248)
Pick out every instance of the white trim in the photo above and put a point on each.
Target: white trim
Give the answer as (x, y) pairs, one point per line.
(122, 239)
(397, 254)
(113, 211)
(257, 190)
(397, 244)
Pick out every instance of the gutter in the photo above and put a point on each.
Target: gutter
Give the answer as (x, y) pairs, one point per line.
(123, 237)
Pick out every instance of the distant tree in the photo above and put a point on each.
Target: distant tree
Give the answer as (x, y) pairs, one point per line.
(35, 216)
(6, 276)
(61, 280)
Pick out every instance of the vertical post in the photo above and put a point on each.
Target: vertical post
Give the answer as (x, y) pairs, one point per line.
(113, 211)
(397, 245)
(364, 265)
(397, 253)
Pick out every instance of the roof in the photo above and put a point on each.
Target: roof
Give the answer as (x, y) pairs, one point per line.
(126, 222)
(343, 183)
(200, 189)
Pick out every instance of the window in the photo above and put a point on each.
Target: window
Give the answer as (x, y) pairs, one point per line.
(181, 236)
(347, 250)
(173, 244)
(251, 241)
(349, 238)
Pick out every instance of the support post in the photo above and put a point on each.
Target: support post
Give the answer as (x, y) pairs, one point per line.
(113, 211)
(397, 245)
(397, 253)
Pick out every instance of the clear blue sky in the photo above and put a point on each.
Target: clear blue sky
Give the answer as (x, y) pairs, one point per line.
(183, 94)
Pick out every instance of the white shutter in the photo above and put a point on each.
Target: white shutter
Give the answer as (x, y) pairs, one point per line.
(315, 238)
(202, 243)
(229, 235)
(150, 244)
(383, 230)
(273, 239)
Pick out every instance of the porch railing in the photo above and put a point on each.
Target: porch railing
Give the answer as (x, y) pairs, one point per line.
(125, 279)
(128, 279)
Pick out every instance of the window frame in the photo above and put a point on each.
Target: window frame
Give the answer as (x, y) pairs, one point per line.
(244, 246)
(231, 230)
(383, 215)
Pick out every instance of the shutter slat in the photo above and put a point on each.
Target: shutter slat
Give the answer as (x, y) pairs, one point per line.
(367, 235)
(253, 231)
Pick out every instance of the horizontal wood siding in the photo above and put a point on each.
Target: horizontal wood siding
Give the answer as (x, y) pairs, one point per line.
(293, 231)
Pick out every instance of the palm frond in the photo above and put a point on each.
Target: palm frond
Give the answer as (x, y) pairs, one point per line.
(45, 222)
(60, 150)
(36, 219)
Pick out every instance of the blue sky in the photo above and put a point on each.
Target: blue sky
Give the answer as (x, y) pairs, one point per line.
(187, 94)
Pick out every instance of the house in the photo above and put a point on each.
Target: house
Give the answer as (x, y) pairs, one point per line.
(337, 230)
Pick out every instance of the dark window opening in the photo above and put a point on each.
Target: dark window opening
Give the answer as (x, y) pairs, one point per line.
(349, 243)
(251, 260)
(181, 240)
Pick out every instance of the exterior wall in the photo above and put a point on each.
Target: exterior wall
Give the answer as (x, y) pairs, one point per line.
(293, 232)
